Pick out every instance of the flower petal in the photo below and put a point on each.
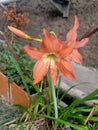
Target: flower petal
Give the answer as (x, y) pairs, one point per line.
(82, 43)
(33, 52)
(66, 69)
(72, 34)
(67, 49)
(53, 73)
(40, 70)
(50, 42)
(76, 56)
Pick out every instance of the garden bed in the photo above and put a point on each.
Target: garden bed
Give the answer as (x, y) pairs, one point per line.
(45, 12)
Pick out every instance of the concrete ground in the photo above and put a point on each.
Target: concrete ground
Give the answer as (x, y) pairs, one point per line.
(87, 81)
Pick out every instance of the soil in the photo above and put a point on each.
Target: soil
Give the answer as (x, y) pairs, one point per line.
(43, 14)
(8, 115)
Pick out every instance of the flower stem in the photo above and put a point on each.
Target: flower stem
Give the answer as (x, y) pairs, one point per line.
(55, 101)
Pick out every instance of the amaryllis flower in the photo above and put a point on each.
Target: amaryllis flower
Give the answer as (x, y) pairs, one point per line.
(72, 37)
(52, 57)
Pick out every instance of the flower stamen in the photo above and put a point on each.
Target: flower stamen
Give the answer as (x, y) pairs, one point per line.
(51, 56)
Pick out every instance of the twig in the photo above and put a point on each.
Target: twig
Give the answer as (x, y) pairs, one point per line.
(9, 45)
(91, 113)
(89, 33)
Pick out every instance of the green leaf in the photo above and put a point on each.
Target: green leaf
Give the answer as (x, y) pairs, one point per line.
(21, 127)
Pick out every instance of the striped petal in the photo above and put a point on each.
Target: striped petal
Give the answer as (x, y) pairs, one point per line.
(76, 56)
(72, 34)
(82, 43)
(67, 49)
(40, 70)
(50, 42)
(66, 69)
(33, 52)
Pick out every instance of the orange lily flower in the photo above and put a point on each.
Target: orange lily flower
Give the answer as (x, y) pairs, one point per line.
(52, 57)
(21, 34)
(71, 36)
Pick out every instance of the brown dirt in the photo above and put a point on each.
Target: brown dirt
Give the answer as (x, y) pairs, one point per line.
(44, 15)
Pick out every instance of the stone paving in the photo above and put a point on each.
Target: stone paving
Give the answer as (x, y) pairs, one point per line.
(87, 81)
